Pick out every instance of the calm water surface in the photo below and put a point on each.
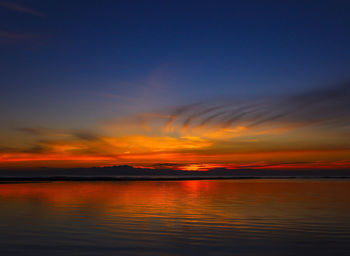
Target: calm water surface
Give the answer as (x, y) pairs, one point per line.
(216, 217)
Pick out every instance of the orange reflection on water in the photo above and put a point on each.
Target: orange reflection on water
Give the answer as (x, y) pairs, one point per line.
(176, 206)
(183, 197)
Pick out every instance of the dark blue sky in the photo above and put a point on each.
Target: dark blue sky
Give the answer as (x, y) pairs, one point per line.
(69, 63)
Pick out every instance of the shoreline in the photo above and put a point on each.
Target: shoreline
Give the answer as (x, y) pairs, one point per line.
(154, 178)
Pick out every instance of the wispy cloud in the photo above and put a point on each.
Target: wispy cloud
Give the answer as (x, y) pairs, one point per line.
(320, 107)
(42, 131)
(20, 8)
(14, 36)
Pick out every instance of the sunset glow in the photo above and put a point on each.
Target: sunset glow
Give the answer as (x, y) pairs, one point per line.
(174, 127)
(184, 92)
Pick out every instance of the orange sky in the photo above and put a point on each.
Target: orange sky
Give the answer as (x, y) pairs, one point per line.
(155, 143)
(174, 86)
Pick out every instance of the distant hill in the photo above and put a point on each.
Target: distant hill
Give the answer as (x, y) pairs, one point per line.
(125, 171)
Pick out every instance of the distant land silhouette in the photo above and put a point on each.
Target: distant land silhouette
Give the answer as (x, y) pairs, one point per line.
(125, 172)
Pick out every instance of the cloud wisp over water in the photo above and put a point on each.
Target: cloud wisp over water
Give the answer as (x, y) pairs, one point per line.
(323, 107)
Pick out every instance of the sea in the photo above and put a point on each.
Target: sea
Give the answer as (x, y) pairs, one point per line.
(176, 217)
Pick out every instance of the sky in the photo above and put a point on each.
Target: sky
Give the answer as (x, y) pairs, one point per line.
(188, 85)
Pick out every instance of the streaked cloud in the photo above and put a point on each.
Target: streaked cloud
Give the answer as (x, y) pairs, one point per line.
(8, 36)
(328, 106)
(20, 8)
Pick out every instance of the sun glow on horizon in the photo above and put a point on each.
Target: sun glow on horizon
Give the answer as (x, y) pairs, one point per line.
(195, 137)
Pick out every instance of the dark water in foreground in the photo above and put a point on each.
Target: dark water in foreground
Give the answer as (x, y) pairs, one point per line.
(216, 217)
